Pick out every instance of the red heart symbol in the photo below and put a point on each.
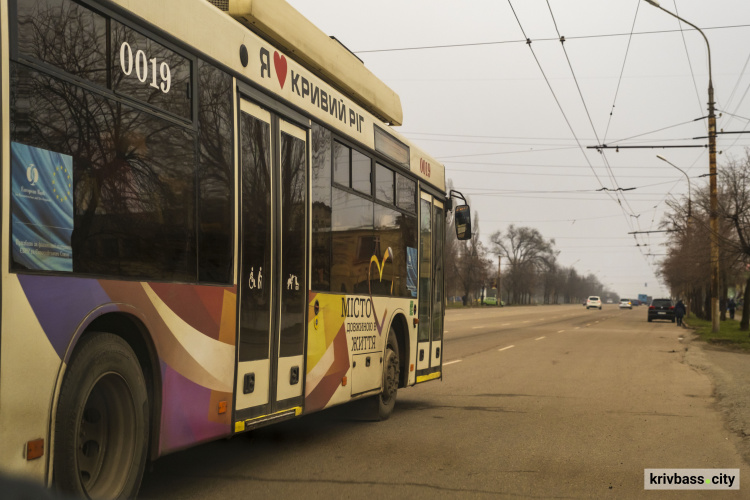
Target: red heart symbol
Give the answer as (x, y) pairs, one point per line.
(279, 62)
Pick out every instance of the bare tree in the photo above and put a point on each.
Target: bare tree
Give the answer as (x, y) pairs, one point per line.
(734, 207)
(472, 266)
(686, 269)
(529, 256)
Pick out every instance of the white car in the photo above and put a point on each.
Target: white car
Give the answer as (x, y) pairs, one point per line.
(625, 304)
(594, 302)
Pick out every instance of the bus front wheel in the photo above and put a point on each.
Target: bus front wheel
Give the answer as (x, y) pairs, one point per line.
(101, 433)
(391, 371)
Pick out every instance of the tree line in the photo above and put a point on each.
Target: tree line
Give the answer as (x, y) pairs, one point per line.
(529, 269)
(687, 266)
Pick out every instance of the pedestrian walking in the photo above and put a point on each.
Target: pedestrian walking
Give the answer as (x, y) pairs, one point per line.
(679, 312)
(731, 305)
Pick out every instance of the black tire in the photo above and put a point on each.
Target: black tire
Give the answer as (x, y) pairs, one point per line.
(649, 320)
(101, 433)
(386, 400)
(673, 320)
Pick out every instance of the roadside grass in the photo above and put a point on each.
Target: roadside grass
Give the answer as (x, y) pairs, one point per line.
(729, 334)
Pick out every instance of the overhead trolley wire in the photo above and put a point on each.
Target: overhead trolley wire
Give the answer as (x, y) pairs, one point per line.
(527, 138)
(611, 174)
(653, 131)
(547, 174)
(732, 114)
(515, 221)
(502, 42)
(622, 70)
(559, 105)
(531, 150)
(736, 86)
(568, 139)
(478, 190)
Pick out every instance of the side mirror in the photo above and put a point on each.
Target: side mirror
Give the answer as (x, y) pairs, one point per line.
(463, 222)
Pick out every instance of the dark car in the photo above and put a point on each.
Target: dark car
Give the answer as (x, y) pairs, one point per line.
(661, 309)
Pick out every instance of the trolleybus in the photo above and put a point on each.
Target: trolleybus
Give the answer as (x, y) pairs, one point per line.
(208, 225)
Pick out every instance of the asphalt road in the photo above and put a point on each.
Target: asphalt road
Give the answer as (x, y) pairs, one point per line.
(536, 402)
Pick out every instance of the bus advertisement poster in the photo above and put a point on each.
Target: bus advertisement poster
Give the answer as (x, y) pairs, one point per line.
(42, 208)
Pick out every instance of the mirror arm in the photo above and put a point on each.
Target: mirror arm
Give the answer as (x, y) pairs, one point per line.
(455, 194)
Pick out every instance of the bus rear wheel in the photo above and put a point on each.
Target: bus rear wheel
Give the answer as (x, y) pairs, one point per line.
(101, 434)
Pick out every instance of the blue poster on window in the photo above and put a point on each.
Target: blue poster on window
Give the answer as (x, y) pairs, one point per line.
(411, 270)
(42, 208)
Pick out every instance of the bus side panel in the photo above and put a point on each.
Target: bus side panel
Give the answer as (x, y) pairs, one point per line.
(327, 353)
(28, 371)
(341, 330)
(193, 331)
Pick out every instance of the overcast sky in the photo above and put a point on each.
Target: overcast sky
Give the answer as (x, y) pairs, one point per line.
(482, 107)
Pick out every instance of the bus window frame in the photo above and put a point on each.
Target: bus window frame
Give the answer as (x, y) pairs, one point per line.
(138, 25)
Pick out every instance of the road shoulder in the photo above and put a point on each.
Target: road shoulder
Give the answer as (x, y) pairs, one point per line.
(729, 372)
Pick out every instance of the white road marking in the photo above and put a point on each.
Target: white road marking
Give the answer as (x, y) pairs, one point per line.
(505, 324)
(452, 362)
(576, 328)
(527, 321)
(475, 327)
(540, 338)
(560, 331)
(504, 348)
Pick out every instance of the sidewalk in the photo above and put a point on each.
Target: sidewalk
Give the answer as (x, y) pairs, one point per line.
(730, 373)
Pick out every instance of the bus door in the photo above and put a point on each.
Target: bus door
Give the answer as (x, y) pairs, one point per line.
(431, 289)
(270, 365)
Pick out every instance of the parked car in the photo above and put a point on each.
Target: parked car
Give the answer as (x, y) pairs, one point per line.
(625, 304)
(661, 309)
(594, 302)
(492, 301)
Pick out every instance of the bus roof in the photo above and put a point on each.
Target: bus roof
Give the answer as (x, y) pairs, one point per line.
(284, 25)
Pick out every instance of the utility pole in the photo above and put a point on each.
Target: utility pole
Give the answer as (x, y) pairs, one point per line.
(713, 191)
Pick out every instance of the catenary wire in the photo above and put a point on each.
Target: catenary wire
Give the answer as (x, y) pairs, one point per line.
(501, 42)
(622, 70)
(611, 174)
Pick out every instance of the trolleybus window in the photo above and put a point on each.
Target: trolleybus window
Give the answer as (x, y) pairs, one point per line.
(384, 184)
(132, 195)
(361, 172)
(321, 208)
(406, 193)
(66, 35)
(341, 164)
(132, 198)
(215, 175)
(350, 230)
(149, 72)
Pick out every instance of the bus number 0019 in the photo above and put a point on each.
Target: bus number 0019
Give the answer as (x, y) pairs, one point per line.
(141, 64)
